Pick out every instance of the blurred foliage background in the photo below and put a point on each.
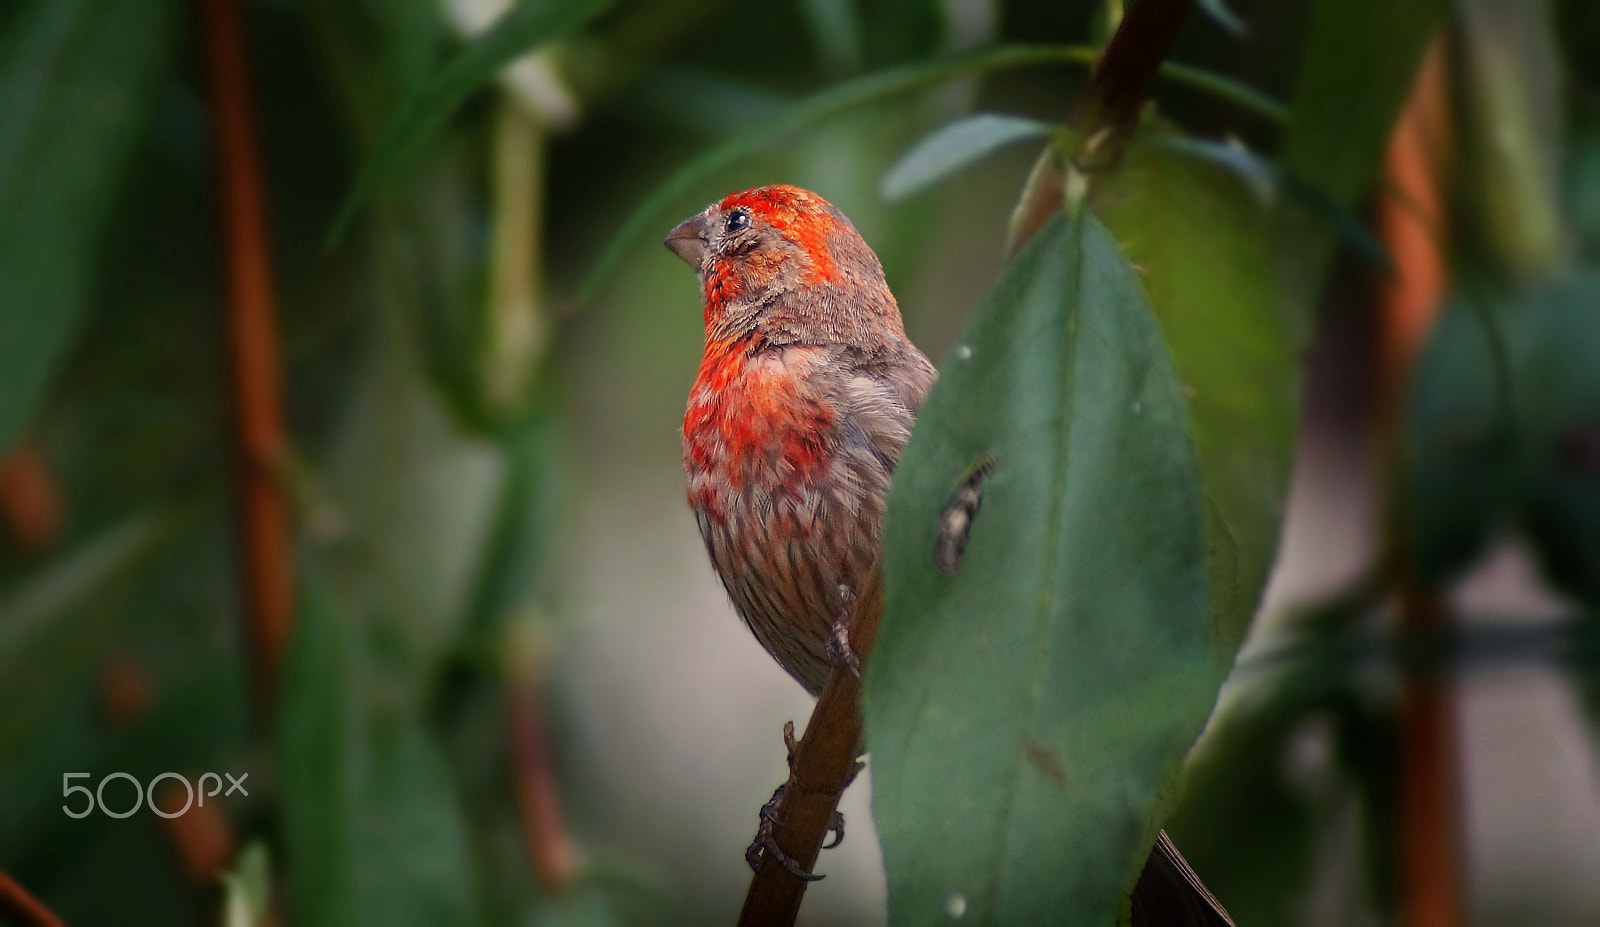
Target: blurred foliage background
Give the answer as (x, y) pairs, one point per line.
(498, 586)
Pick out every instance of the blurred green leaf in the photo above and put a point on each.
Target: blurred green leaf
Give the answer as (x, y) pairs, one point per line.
(1220, 13)
(812, 109)
(417, 490)
(1359, 62)
(1511, 109)
(247, 888)
(584, 906)
(528, 25)
(1268, 182)
(1461, 454)
(1556, 390)
(51, 604)
(1244, 829)
(1292, 745)
(1199, 240)
(1226, 88)
(862, 90)
(1503, 422)
(1354, 77)
(835, 31)
(952, 147)
(901, 31)
(372, 826)
(1025, 712)
(1581, 186)
(77, 79)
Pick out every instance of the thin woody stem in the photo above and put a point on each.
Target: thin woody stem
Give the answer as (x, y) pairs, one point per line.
(1108, 112)
(262, 519)
(1120, 84)
(824, 762)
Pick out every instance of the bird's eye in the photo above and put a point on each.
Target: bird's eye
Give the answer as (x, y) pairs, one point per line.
(738, 222)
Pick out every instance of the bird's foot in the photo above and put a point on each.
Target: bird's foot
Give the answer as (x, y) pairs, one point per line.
(839, 651)
(766, 841)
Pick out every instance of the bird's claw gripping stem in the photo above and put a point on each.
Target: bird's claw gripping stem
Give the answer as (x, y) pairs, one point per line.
(766, 842)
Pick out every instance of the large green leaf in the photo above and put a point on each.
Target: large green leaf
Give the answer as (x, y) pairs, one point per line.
(372, 826)
(76, 81)
(1199, 238)
(1024, 712)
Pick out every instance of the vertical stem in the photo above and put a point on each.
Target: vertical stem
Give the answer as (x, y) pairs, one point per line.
(1411, 223)
(1108, 112)
(538, 798)
(1121, 81)
(516, 330)
(262, 521)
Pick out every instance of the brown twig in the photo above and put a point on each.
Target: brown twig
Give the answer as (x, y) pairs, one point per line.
(1111, 104)
(22, 909)
(538, 799)
(1411, 222)
(262, 519)
(1108, 112)
(824, 763)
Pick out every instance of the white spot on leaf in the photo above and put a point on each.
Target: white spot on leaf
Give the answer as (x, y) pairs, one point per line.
(956, 905)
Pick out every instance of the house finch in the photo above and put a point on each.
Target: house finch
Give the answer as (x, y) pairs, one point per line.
(804, 400)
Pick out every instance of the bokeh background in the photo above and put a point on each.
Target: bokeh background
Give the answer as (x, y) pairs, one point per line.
(483, 469)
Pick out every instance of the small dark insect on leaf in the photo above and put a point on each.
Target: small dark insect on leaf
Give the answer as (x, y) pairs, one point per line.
(955, 519)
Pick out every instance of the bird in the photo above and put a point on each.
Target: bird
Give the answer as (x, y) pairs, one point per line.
(805, 397)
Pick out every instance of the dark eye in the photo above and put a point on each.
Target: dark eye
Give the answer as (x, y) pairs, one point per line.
(738, 222)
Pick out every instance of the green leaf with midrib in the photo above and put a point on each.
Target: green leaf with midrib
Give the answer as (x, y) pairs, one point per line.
(1024, 713)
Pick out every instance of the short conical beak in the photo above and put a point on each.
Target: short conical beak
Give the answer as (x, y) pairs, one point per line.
(689, 240)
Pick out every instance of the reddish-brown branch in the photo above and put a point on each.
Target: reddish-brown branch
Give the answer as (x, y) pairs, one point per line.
(1108, 112)
(823, 764)
(29, 499)
(1121, 81)
(538, 798)
(1411, 221)
(22, 909)
(252, 343)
